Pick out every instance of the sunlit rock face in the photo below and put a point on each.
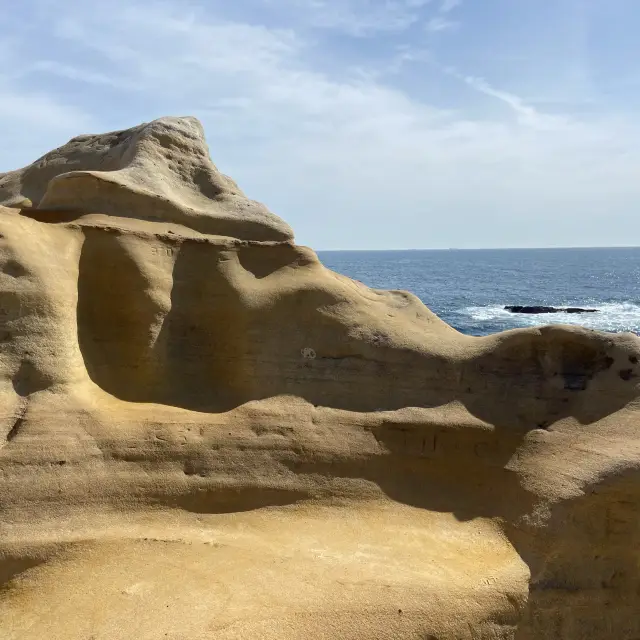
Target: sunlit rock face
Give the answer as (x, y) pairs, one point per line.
(208, 434)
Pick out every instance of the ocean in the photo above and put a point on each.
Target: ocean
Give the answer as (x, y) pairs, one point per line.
(470, 288)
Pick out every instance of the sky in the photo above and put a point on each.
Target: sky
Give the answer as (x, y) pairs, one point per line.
(365, 124)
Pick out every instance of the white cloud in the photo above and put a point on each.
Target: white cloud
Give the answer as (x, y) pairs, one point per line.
(354, 17)
(32, 119)
(72, 73)
(34, 122)
(144, 40)
(526, 114)
(216, 64)
(449, 5)
(440, 24)
(349, 160)
(33, 109)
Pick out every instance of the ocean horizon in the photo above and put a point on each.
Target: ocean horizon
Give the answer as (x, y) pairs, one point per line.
(477, 249)
(470, 288)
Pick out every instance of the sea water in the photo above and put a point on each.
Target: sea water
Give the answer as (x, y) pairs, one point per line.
(470, 288)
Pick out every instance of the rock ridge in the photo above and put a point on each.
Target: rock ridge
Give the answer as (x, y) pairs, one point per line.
(158, 171)
(207, 433)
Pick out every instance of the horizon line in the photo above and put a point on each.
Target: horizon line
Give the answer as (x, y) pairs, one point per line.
(490, 248)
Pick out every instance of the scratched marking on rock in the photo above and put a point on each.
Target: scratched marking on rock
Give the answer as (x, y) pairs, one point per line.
(163, 251)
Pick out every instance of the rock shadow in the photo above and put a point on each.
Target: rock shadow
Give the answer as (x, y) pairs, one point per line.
(207, 334)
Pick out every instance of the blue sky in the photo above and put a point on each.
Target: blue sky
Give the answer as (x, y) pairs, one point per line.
(363, 123)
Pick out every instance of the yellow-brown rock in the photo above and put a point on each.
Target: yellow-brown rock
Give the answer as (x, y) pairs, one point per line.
(206, 434)
(159, 171)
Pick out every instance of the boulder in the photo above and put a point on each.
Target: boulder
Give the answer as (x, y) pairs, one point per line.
(541, 309)
(208, 435)
(578, 310)
(533, 309)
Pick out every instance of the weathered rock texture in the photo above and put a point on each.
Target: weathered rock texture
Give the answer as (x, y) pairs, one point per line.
(159, 172)
(208, 434)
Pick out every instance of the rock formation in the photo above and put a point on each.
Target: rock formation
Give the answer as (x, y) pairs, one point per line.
(208, 434)
(159, 172)
(539, 309)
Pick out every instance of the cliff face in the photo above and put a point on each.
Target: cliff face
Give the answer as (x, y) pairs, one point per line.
(208, 434)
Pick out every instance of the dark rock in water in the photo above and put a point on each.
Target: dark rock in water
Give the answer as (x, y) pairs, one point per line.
(521, 309)
(578, 310)
(539, 309)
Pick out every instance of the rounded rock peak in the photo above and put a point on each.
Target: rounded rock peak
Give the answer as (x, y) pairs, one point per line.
(158, 171)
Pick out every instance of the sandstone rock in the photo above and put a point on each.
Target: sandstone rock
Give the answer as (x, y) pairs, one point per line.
(215, 437)
(159, 171)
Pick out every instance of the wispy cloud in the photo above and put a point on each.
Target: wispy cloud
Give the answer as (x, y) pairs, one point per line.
(399, 155)
(71, 72)
(34, 121)
(526, 114)
(449, 5)
(441, 21)
(440, 24)
(354, 17)
(38, 110)
(32, 118)
(251, 65)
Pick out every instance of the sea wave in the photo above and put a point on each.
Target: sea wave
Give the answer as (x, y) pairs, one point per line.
(611, 316)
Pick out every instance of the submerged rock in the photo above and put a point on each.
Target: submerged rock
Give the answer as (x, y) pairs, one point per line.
(209, 434)
(539, 309)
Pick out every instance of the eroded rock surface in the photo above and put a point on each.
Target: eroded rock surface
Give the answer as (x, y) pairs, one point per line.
(159, 171)
(209, 434)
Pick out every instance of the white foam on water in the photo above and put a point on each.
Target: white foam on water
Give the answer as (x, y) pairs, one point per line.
(611, 316)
